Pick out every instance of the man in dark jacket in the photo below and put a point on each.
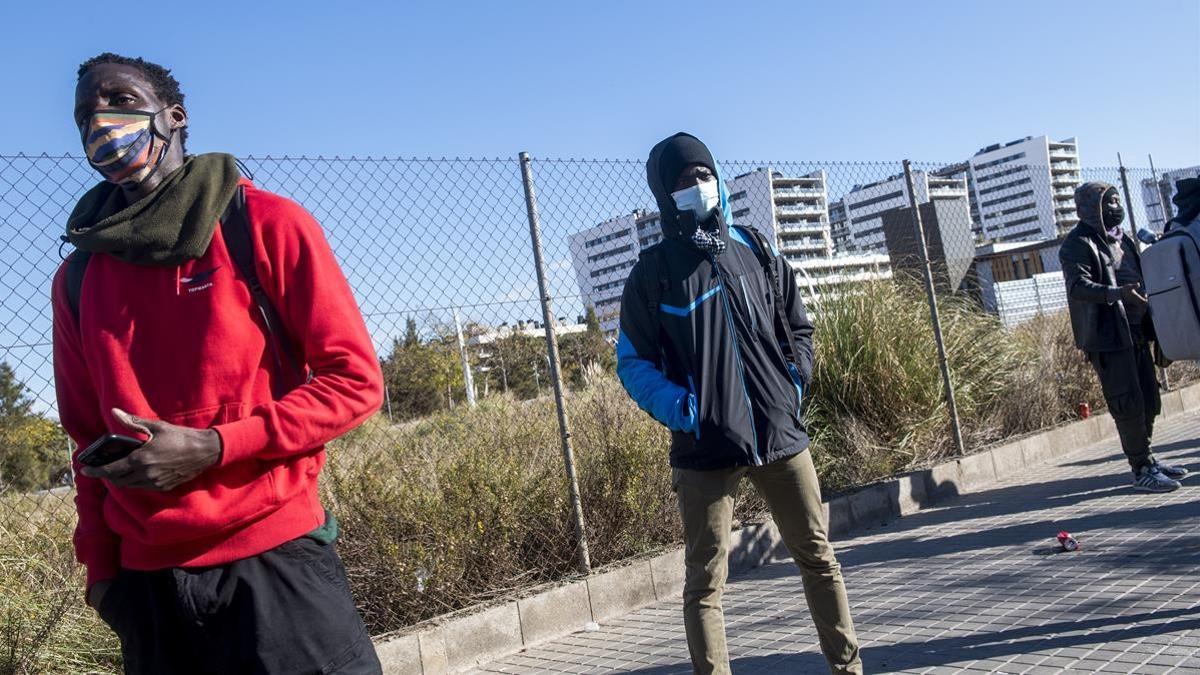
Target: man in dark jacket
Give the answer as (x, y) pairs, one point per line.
(1102, 268)
(722, 357)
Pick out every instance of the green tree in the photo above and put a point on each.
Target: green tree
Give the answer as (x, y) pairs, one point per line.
(422, 378)
(33, 449)
(411, 339)
(15, 401)
(586, 350)
(521, 360)
(592, 321)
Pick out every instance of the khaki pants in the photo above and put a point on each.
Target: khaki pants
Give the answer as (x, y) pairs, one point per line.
(790, 489)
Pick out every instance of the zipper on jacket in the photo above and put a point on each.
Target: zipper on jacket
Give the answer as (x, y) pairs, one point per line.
(737, 355)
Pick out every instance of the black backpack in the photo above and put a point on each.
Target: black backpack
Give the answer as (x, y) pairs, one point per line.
(235, 227)
(653, 258)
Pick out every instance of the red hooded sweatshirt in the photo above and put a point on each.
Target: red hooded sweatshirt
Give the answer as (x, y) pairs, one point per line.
(181, 344)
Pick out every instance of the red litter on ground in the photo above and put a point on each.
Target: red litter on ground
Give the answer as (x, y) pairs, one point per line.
(1067, 541)
(1085, 410)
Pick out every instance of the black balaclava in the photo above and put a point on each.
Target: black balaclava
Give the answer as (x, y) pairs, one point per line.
(1111, 214)
(1089, 204)
(667, 161)
(1187, 200)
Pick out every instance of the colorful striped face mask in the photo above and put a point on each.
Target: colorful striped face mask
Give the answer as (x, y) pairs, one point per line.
(124, 145)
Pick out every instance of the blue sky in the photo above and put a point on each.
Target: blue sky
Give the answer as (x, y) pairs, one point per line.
(771, 80)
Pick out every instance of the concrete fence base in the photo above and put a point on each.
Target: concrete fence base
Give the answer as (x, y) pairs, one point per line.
(462, 640)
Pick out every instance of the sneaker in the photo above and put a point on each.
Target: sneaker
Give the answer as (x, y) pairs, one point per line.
(1172, 472)
(1150, 479)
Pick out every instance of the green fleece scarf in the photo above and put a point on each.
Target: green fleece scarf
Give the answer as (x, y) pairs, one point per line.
(167, 227)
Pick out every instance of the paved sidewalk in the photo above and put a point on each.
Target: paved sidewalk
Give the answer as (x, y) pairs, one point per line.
(974, 585)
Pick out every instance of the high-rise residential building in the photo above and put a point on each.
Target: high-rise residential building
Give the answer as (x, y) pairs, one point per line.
(839, 227)
(865, 205)
(602, 256)
(790, 211)
(1157, 195)
(1024, 190)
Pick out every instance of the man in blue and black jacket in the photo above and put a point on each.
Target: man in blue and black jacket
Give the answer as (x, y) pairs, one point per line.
(715, 344)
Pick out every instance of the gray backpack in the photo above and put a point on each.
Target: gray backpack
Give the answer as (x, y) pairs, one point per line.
(1171, 271)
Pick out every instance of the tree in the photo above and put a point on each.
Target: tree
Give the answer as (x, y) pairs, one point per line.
(14, 398)
(411, 339)
(422, 378)
(592, 321)
(33, 449)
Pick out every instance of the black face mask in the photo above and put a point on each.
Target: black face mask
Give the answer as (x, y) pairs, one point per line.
(1114, 215)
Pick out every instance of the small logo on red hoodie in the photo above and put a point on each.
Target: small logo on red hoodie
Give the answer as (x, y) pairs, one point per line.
(199, 282)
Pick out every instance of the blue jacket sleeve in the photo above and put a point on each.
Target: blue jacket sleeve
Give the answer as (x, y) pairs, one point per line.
(638, 363)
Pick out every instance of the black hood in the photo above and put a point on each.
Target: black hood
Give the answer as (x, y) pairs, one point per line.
(667, 161)
(1187, 199)
(1088, 200)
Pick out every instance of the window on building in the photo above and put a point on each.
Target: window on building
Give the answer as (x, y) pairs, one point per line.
(608, 254)
(876, 200)
(1007, 198)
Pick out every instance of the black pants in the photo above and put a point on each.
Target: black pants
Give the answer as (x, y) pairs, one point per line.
(1131, 391)
(288, 610)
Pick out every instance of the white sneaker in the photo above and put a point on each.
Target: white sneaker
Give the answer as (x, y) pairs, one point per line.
(1150, 479)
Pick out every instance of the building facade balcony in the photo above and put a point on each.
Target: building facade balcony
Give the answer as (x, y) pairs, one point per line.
(798, 192)
(783, 210)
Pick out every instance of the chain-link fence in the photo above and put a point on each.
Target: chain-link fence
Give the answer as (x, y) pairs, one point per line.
(456, 492)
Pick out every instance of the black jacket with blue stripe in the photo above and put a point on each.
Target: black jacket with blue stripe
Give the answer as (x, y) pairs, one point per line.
(710, 361)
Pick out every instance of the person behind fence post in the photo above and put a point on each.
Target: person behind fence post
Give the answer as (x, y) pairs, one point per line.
(210, 319)
(1109, 316)
(715, 344)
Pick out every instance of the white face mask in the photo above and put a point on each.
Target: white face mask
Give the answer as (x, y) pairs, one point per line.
(700, 199)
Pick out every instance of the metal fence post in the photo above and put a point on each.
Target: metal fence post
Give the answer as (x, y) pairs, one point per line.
(927, 272)
(1128, 198)
(564, 424)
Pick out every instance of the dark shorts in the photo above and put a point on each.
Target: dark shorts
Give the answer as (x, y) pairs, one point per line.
(288, 610)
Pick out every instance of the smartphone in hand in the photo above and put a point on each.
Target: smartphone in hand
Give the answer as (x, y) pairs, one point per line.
(108, 449)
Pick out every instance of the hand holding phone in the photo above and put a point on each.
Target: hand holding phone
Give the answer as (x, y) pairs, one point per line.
(172, 456)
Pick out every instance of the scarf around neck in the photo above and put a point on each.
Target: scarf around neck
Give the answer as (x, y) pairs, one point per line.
(169, 226)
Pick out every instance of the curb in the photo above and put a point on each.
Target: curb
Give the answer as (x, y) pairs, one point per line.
(465, 640)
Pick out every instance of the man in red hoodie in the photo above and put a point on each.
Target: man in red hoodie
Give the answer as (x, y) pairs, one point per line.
(207, 549)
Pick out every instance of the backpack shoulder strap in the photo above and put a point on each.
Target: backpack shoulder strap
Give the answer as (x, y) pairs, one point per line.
(653, 258)
(763, 251)
(77, 264)
(235, 228)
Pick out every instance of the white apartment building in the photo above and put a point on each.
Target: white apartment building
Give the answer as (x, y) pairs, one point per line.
(793, 212)
(1165, 187)
(602, 256)
(818, 278)
(865, 205)
(1025, 190)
